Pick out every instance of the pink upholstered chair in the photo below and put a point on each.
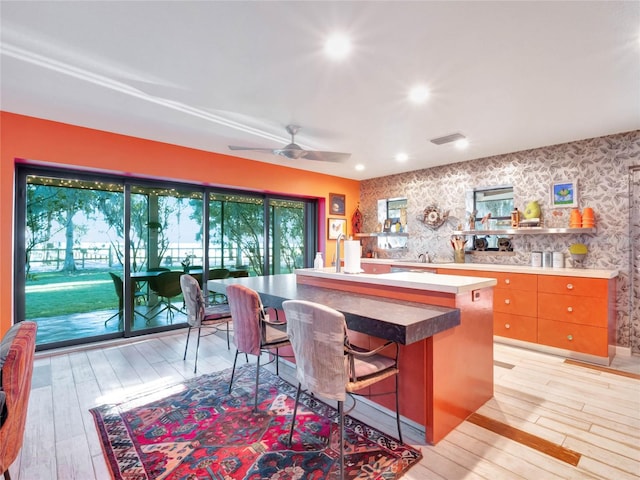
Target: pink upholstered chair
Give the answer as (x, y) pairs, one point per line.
(200, 316)
(327, 365)
(16, 364)
(253, 331)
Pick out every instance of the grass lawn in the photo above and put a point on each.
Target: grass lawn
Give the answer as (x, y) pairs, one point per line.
(52, 294)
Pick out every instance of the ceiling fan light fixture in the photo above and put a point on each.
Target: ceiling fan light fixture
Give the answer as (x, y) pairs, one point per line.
(291, 151)
(448, 138)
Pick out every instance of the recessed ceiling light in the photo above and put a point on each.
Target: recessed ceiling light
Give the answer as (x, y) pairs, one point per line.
(419, 94)
(461, 143)
(359, 167)
(338, 46)
(402, 157)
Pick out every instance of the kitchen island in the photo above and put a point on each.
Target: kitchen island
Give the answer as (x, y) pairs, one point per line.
(443, 326)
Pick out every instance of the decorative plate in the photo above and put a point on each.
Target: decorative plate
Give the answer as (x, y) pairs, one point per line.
(433, 217)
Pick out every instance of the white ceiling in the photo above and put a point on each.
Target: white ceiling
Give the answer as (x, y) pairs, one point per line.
(508, 75)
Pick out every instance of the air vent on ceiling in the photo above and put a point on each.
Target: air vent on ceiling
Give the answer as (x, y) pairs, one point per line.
(447, 138)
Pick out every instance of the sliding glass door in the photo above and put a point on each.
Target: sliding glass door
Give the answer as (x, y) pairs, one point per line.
(99, 257)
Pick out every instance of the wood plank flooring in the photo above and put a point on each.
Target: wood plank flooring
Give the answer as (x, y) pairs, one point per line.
(592, 412)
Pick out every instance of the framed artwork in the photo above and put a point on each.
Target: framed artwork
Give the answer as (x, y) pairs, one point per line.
(335, 227)
(336, 203)
(564, 194)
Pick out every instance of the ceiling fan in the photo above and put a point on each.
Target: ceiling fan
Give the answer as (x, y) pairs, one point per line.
(295, 151)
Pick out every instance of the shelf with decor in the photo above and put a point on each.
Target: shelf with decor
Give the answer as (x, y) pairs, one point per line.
(528, 231)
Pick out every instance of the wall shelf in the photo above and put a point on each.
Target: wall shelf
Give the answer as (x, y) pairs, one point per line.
(527, 231)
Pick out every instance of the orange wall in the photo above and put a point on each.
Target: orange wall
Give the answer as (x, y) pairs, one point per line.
(25, 139)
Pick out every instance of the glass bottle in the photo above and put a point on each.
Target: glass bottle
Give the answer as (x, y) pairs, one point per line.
(318, 262)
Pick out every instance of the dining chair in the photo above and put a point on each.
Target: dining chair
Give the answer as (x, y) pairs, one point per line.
(327, 364)
(118, 285)
(217, 274)
(254, 332)
(201, 316)
(167, 286)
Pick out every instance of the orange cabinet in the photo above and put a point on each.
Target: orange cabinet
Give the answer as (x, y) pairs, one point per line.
(515, 302)
(586, 287)
(573, 309)
(518, 327)
(576, 314)
(573, 337)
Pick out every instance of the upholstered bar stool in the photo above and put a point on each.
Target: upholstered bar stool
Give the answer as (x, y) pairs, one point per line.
(254, 332)
(326, 363)
(200, 316)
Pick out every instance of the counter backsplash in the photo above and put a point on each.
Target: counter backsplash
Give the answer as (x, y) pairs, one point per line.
(599, 165)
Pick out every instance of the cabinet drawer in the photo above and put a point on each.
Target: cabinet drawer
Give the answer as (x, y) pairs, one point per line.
(586, 287)
(518, 281)
(570, 336)
(573, 309)
(516, 302)
(375, 268)
(515, 326)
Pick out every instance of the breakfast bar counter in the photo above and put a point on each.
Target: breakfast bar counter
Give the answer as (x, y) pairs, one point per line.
(443, 326)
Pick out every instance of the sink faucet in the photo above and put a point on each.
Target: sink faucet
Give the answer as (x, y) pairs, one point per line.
(424, 257)
(340, 237)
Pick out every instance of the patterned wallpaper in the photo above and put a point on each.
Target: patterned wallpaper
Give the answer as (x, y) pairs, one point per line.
(600, 166)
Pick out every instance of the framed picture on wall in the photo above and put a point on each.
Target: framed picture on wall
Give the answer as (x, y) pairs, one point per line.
(336, 203)
(335, 227)
(564, 194)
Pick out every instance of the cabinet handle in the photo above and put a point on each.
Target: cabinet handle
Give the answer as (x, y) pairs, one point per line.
(506, 325)
(569, 309)
(507, 281)
(507, 301)
(569, 337)
(570, 286)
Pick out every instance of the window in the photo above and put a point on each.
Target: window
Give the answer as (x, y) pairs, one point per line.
(495, 201)
(489, 209)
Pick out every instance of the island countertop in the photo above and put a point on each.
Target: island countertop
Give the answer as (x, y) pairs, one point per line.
(416, 280)
(397, 320)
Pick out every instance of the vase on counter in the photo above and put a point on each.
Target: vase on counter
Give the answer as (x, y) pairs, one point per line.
(458, 255)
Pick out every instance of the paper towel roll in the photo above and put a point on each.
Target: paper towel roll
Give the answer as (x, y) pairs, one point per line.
(352, 256)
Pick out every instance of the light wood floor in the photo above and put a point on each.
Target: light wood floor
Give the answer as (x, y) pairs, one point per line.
(594, 413)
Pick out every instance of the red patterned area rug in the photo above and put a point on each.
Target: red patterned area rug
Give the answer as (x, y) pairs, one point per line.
(196, 430)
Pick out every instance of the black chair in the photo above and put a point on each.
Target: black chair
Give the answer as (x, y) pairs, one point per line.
(217, 274)
(167, 286)
(118, 285)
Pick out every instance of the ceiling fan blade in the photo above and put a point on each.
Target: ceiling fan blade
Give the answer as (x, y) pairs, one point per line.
(326, 156)
(266, 150)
